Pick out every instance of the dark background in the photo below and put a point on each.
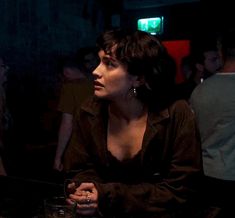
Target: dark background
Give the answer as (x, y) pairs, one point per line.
(35, 34)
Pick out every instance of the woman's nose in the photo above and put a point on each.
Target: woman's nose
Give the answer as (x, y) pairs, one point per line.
(96, 71)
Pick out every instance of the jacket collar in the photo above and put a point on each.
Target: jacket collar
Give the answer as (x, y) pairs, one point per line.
(97, 109)
(95, 106)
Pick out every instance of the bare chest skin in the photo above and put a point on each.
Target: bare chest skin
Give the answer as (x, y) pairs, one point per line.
(125, 138)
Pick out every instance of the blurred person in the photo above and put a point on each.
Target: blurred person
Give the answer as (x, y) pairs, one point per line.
(138, 151)
(213, 102)
(74, 91)
(203, 61)
(206, 54)
(89, 59)
(4, 115)
(192, 77)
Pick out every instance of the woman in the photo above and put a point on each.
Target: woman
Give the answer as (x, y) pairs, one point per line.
(139, 152)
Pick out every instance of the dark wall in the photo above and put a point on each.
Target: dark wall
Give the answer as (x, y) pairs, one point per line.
(218, 15)
(180, 21)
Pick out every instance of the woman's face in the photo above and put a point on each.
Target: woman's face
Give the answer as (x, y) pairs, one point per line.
(111, 79)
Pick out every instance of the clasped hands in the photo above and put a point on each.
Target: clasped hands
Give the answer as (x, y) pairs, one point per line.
(86, 198)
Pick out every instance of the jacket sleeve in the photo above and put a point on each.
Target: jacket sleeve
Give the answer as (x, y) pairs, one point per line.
(180, 178)
(78, 162)
(181, 172)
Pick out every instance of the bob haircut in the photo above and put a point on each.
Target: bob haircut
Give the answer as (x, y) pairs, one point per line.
(144, 56)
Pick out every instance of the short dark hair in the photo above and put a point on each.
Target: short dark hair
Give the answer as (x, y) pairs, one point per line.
(202, 44)
(143, 55)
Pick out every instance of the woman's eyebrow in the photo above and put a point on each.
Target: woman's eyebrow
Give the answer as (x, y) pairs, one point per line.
(109, 58)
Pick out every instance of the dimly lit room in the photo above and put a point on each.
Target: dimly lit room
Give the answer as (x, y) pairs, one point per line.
(39, 40)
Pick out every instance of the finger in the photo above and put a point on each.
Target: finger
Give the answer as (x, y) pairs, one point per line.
(70, 189)
(71, 185)
(70, 201)
(84, 198)
(86, 186)
(87, 206)
(86, 210)
(81, 199)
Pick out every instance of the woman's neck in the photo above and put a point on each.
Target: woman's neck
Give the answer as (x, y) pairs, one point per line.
(132, 110)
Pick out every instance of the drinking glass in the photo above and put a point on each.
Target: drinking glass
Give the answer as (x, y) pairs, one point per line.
(57, 207)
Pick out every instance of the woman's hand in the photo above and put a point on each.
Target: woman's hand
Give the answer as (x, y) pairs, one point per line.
(86, 196)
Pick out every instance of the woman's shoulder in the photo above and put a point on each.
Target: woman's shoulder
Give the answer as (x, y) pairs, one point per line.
(180, 107)
(180, 103)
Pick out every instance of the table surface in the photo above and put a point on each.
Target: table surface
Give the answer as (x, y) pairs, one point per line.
(21, 197)
(24, 198)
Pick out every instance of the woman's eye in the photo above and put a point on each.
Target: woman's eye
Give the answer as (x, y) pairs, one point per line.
(109, 64)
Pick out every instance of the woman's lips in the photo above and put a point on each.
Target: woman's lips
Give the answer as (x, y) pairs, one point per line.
(98, 84)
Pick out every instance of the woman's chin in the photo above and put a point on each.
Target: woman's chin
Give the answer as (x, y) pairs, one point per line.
(99, 95)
